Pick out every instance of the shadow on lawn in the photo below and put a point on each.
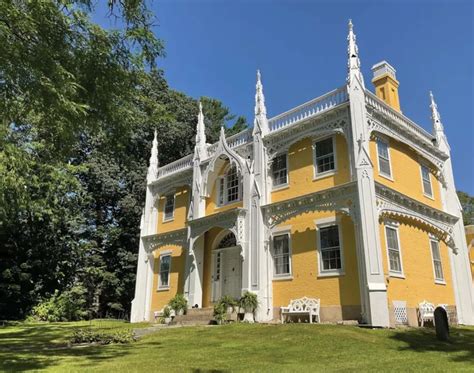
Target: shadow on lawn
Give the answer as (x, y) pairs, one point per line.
(32, 347)
(460, 345)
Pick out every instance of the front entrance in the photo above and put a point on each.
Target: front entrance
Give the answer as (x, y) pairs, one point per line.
(227, 273)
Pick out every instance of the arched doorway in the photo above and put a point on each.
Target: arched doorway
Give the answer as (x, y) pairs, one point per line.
(226, 267)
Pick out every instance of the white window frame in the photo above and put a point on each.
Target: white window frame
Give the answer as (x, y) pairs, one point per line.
(160, 285)
(440, 281)
(422, 181)
(324, 223)
(226, 189)
(320, 175)
(386, 142)
(282, 231)
(394, 225)
(283, 185)
(169, 218)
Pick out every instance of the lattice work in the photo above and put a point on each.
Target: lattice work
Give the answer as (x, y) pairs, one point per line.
(400, 312)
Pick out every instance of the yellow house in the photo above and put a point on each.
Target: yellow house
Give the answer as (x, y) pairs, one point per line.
(470, 245)
(342, 198)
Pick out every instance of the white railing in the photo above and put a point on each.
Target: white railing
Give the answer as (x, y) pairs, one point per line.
(309, 109)
(382, 107)
(234, 141)
(178, 165)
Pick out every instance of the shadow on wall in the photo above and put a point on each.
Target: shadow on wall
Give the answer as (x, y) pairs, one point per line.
(424, 340)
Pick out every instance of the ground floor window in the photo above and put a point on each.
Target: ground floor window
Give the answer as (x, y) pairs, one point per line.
(330, 248)
(281, 254)
(437, 265)
(164, 273)
(393, 247)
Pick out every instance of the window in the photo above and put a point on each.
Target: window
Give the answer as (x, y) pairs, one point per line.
(330, 249)
(425, 177)
(393, 247)
(279, 170)
(281, 254)
(164, 275)
(437, 265)
(229, 187)
(384, 158)
(169, 208)
(324, 156)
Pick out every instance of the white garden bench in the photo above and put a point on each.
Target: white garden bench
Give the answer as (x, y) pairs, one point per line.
(426, 312)
(302, 306)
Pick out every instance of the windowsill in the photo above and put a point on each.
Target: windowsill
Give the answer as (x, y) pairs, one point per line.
(168, 220)
(388, 177)
(280, 187)
(228, 204)
(331, 274)
(164, 288)
(324, 175)
(397, 275)
(283, 278)
(440, 282)
(428, 196)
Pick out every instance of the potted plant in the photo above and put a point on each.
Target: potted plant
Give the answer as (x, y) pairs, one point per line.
(229, 302)
(179, 304)
(249, 303)
(167, 315)
(220, 312)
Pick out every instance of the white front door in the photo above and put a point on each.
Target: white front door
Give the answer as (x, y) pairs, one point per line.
(231, 272)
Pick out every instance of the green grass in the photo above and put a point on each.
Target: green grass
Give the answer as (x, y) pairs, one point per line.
(239, 347)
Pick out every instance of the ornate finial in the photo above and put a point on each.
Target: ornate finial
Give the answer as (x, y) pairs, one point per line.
(260, 108)
(222, 134)
(153, 168)
(353, 64)
(435, 117)
(200, 130)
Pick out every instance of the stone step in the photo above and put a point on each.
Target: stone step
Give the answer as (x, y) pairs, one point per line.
(195, 316)
(199, 311)
(192, 322)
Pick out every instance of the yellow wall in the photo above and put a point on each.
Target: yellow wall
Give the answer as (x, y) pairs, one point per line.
(336, 290)
(406, 173)
(160, 298)
(181, 206)
(470, 245)
(419, 282)
(301, 170)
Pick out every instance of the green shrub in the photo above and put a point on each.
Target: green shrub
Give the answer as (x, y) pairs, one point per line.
(228, 301)
(89, 335)
(66, 306)
(249, 301)
(220, 312)
(178, 303)
(166, 312)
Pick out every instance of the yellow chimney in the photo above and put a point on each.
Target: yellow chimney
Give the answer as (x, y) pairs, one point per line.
(386, 84)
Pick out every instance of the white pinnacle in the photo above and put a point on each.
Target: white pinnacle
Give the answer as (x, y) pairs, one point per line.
(353, 63)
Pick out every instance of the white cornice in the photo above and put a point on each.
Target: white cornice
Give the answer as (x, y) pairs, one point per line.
(176, 237)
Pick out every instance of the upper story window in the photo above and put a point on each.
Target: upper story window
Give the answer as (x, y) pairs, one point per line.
(384, 158)
(437, 265)
(281, 254)
(280, 170)
(330, 250)
(426, 180)
(325, 160)
(229, 187)
(394, 253)
(164, 274)
(168, 213)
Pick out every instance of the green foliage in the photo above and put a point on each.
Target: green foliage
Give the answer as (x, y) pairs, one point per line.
(220, 312)
(229, 302)
(89, 335)
(67, 306)
(249, 301)
(78, 106)
(178, 303)
(467, 203)
(166, 312)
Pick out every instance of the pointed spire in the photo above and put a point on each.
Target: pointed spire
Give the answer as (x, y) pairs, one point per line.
(435, 117)
(222, 134)
(260, 122)
(153, 168)
(353, 64)
(200, 130)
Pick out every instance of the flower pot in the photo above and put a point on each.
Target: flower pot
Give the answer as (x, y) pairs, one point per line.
(248, 317)
(180, 312)
(167, 320)
(230, 309)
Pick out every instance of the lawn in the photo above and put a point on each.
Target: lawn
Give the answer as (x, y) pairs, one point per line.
(239, 347)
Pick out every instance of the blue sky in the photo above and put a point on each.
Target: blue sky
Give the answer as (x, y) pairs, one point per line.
(214, 48)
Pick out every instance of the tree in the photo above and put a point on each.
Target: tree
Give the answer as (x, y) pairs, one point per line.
(467, 203)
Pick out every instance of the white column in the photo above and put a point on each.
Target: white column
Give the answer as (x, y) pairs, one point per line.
(195, 268)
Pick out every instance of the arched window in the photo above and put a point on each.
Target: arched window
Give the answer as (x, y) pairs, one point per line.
(228, 241)
(228, 187)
